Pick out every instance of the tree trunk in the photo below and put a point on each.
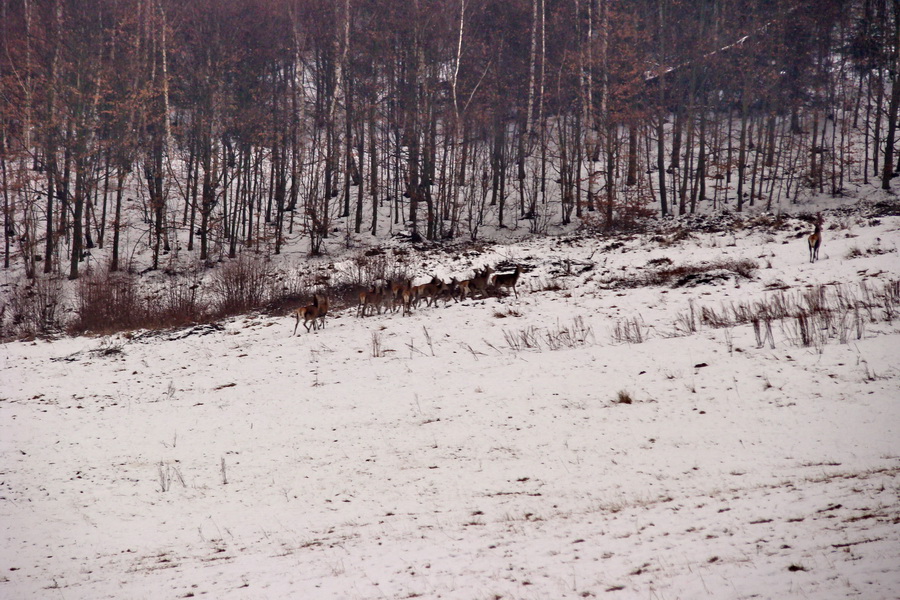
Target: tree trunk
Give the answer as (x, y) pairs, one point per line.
(154, 184)
(888, 172)
(373, 169)
(700, 189)
(742, 150)
(75, 257)
(631, 177)
(117, 218)
(610, 171)
(661, 161)
(7, 210)
(876, 134)
(360, 153)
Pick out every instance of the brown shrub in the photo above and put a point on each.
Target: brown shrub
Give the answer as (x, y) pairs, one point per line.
(33, 308)
(106, 302)
(241, 285)
(109, 302)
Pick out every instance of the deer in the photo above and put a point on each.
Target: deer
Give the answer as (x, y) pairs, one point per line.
(462, 288)
(373, 298)
(395, 292)
(309, 314)
(407, 298)
(429, 291)
(508, 280)
(481, 280)
(815, 240)
(452, 291)
(437, 288)
(323, 309)
(415, 294)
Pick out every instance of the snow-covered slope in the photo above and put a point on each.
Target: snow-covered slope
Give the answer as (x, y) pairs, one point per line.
(480, 449)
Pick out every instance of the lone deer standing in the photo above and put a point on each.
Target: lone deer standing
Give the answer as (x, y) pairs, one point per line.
(815, 240)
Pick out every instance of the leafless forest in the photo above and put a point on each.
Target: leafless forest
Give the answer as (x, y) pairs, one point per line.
(226, 126)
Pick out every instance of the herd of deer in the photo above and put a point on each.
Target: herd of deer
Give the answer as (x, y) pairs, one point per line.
(401, 294)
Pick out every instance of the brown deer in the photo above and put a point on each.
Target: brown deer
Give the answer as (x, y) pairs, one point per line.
(508, 280)
(323, 309)
(309, 313)
(407, 298)
(370, 298)
(815, 240)
(481, 280)
(462, 288)
(394, 293)
(452, 291)
(429, 291)
(415, 294)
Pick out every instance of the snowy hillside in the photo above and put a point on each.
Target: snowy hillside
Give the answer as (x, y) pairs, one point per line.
(632, 426)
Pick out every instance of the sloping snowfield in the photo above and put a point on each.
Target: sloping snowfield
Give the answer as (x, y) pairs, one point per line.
(589, 438)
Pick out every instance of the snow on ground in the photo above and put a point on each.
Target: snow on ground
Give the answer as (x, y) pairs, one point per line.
(437, 456)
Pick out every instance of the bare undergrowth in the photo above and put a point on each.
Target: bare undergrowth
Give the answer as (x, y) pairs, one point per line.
(630, 331)
(808, 318)
(242, 285)
(33, 308)
(109, 302)
(570, 335)
(663, 273)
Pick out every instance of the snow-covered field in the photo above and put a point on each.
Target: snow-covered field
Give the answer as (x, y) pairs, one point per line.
(478, 450)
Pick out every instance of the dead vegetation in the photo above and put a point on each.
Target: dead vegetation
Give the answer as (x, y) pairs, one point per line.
(630, 331)
(661, 272)
(808, 318)
(558, 337)
(33, 308)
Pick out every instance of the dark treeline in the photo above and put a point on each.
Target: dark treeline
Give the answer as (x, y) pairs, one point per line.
(223, 125)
